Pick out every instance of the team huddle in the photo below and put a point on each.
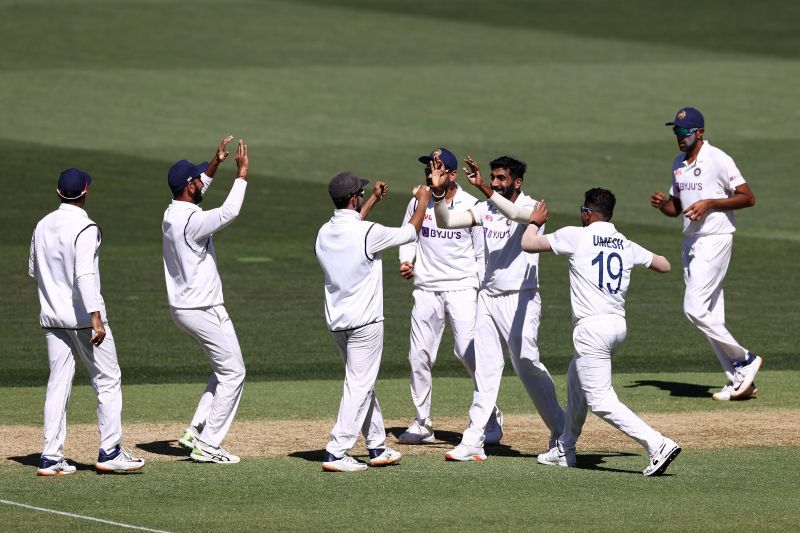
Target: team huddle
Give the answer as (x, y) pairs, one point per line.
(473, 261)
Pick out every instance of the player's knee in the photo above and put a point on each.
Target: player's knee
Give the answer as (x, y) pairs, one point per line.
(695, 314)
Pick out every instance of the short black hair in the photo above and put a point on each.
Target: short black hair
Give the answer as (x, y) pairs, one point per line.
(601, 201)
(341, 203)
(515, 167)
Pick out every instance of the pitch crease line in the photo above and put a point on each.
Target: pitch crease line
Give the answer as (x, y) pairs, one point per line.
(82, 517)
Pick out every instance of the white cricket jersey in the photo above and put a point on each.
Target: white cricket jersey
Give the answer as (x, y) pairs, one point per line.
(348, 250)
(64, 262)
(600, 263)
(446, 259)
(190, 261)
(508, 268)
(712, 175)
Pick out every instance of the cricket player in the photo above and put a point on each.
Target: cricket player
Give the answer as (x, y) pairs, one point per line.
(706, 188)
(446, 266)
(195, 297)
(64, 261)
(509, 305)
(600, 263)
(348, 249)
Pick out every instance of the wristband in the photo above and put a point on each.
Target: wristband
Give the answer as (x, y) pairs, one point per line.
(535, 223)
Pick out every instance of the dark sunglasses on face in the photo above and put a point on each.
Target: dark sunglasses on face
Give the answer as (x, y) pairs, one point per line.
(683, 132)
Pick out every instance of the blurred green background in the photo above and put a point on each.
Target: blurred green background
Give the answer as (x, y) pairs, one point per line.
(580, 90)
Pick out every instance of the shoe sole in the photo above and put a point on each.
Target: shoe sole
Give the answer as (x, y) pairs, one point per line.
(743, 388)
(104, 469)
(329, 468)
(204, 459)
(449, 457)
(385, 462)
(663, 468)
(53, 474)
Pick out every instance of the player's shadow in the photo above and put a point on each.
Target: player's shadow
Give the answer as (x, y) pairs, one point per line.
(33, 460)
(450, 437)
(595, 461)
(314, 456)
(163, 447)
(675, 388)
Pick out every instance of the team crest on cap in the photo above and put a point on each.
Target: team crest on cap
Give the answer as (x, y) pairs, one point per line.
(697, 171)
(681, 115)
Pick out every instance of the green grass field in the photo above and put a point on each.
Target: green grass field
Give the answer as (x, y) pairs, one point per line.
(580, 90)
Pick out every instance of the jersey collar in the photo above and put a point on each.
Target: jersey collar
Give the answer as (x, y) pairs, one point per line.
(73, 209)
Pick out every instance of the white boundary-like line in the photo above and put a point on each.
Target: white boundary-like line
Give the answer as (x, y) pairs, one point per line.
(82, 517)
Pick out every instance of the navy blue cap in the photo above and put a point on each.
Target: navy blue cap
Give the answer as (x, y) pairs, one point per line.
(73, 183)
(688, 117)
(447, 157)
(182, 173)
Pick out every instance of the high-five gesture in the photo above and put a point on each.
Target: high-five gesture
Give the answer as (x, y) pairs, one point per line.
(438, 177)
(473, 172)
(539, 214)
(222, 152)
(241, 159)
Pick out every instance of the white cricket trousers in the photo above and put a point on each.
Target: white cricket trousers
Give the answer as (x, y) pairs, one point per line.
(212, 329)
(514, 318)
(63, 347)
(589, 385)
(427, 326)
(359, 411)
(705, 262)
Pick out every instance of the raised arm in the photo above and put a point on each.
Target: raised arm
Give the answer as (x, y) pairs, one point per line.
(444, 217)
(204, 223)
(532, 240)
(378, 192)
(219, 156)
(508, 208)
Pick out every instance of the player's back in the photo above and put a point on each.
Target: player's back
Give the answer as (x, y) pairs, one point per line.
(600, 263)
(353, 277)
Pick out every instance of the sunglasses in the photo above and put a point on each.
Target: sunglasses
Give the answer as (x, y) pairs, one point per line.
(683, 132)
(585, 209)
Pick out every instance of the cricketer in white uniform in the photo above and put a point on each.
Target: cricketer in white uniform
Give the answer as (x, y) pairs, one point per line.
(706, 187)
(348, 249)
(446, 266)
(600, 263)
(64, 261)
(509, 304)
(194, 290)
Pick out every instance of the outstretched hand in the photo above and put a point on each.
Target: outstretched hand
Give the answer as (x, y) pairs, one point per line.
(438, 174)
(473, 172)
(242, 162)
(539, 214)
(380, 190)
(222, 152)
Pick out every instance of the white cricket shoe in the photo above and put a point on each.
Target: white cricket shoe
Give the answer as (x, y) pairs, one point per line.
(205, 453)
(725, 394)
(744, 372)
(418, 433)
(383, 456)
(557, 456)
(331, 463)
(188, 438)
(660, 460)
(462, 452)
(119, 460)
(494, 428)
(48, 467)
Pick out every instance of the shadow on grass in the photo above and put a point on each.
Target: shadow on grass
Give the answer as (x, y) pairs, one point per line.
(675, 388)
(314, 456)
(450, 437)
(594, 461)
(163, 447)
(33, 460)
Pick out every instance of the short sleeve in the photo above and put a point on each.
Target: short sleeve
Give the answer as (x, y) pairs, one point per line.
(730, 174)
(565, 240)
(641, 256)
